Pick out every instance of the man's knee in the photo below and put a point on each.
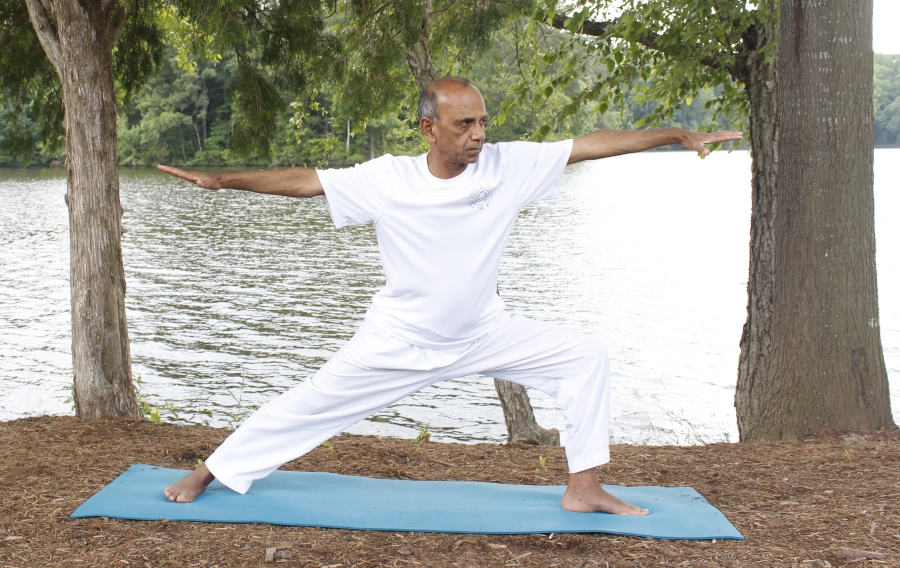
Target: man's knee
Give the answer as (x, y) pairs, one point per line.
(586, 382)
(591, 352)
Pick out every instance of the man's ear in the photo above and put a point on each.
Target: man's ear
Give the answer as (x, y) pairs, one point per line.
(427, 126)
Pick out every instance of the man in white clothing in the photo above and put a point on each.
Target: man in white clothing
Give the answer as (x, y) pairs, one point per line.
(442, 220)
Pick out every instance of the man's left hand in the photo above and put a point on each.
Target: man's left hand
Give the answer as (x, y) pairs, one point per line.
(697, 141)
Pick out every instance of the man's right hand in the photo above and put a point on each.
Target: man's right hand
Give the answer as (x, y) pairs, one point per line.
(206, 181)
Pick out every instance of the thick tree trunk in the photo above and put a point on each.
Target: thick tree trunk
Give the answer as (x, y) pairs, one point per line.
(756, 340)
(811, 357)
(78, 37)
(521, 427)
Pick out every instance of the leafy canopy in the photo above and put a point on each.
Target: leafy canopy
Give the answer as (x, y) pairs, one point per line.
(277, 44)
(372, 77)
(666, 52)
(29, 88)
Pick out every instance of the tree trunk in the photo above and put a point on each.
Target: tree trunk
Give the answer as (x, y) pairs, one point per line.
(521, 426)
(418, 55)
(419, 60)
(78, 38)
(811, 357)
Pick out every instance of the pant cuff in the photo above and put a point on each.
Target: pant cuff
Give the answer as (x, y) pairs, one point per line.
(227, 480)
(581, 463)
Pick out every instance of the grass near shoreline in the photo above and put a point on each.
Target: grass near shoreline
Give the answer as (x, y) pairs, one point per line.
(818, 502)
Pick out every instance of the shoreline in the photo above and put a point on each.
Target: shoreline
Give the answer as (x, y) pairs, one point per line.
(805, 503)
(133, 166)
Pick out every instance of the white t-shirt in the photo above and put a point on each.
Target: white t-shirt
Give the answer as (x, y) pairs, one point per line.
(441, 240)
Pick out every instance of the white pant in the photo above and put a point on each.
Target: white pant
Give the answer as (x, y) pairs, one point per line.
(374, 370)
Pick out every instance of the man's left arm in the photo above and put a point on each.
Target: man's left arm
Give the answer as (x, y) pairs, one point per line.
(608, 143)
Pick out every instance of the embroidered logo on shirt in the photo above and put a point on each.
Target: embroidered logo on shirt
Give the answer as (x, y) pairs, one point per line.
(481, 197)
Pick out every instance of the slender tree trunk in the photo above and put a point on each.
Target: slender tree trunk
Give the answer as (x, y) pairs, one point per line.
(204, 105)
(418, 54)
(78, 38)
(521, 426)
(199, 140)
(811, 356)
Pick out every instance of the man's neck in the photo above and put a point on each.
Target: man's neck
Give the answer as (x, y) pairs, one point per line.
(443, 168)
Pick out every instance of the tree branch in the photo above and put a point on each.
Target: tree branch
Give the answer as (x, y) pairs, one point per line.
(116, 21)
(44, 22)
(589, 27)
(648, 40)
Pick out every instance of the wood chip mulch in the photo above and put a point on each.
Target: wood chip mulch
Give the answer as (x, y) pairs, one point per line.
(818, 502)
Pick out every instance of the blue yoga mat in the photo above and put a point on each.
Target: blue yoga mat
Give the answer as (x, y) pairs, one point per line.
(347, 502)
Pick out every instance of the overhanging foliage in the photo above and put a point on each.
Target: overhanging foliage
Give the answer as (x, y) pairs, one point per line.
(665, 52)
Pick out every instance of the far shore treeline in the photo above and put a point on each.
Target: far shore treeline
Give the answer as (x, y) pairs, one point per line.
(185, 115)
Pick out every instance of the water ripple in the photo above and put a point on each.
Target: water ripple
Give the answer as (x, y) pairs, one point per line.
(234, 297)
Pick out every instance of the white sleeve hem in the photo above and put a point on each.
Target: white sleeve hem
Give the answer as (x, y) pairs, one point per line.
(334, 210)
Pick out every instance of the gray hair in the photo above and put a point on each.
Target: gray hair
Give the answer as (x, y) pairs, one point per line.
(428, 107)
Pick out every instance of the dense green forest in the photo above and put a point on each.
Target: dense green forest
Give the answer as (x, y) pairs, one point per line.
(185, 116)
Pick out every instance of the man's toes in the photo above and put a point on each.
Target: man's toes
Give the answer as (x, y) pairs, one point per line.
(623, 508)
(635, 510)
(175, 495)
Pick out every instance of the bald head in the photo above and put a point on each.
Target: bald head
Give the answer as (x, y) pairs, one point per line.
(428, 101)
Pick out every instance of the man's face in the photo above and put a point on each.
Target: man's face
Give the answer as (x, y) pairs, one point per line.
(459, 134)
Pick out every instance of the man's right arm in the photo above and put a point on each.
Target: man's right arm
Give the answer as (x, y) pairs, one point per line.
(291, 182)
(608, 143)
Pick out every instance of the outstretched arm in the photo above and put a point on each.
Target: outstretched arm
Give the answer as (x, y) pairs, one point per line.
(608, 143)
(292, 182)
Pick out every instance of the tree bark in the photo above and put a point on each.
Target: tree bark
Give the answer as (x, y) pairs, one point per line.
(521, 426)
(418, 55)
(78, 38)
(811, 357)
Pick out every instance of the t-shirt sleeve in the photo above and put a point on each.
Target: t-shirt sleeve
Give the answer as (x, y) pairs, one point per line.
(536, 169)
(354, 196)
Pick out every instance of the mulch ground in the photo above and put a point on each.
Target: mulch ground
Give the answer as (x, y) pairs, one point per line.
(817, 502)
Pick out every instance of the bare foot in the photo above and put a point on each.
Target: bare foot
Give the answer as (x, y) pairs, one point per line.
(585, 495)
(188, 487)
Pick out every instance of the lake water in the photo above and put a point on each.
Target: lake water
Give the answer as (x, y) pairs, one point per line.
(234, 297)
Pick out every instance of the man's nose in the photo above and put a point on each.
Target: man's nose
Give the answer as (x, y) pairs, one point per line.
(478, 132)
